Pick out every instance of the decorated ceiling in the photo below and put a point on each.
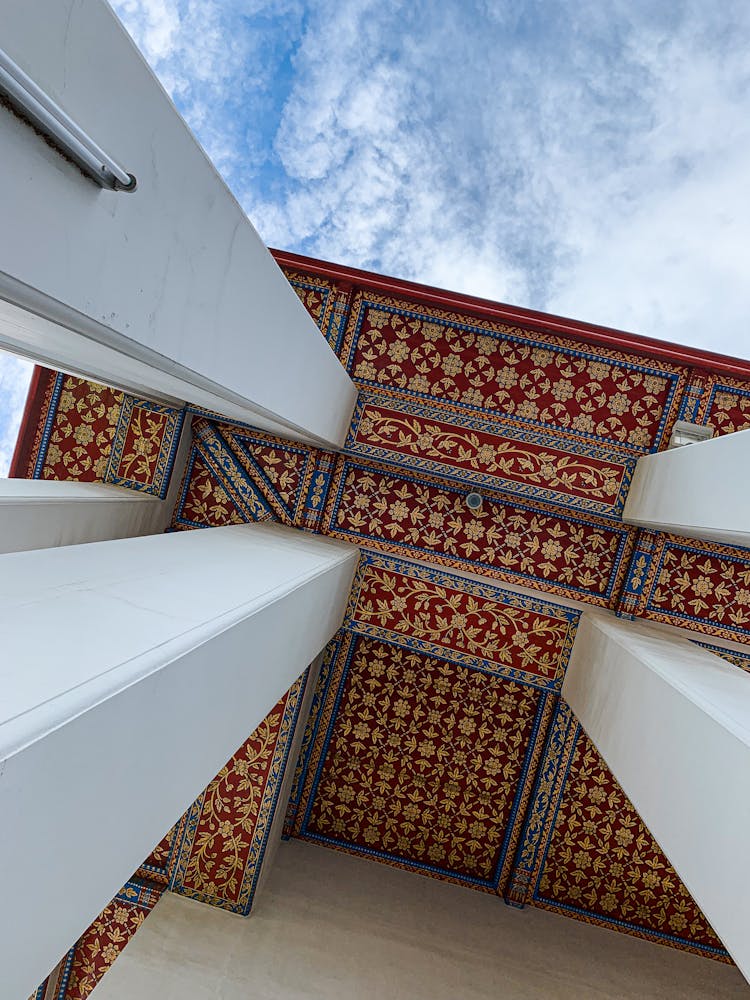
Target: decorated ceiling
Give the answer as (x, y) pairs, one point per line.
(431, 736)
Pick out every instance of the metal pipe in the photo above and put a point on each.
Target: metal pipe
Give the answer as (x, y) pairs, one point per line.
(50, 119)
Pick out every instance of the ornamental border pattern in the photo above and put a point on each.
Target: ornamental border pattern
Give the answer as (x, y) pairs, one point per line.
(166, 456)
(486, 591)
(336, 680)
(675, 375)
(553, 803)
(617, 528)
(643, 575)
(504, 428)
(49, 423)
(263, 823)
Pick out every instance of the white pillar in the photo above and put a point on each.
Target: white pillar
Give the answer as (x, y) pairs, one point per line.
(700, 490)
(167, 291)
(672, 721)
(131, 670)
(44, 513)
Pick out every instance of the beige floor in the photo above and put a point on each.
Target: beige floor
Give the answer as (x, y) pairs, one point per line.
(330, 926)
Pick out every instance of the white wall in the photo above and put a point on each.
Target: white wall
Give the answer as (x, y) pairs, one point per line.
(701, 490)
(172, 275)
(41, 513)
(131, 671)
(332, 927)
(672, 721)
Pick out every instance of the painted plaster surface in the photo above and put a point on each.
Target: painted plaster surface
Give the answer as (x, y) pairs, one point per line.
(437, 741)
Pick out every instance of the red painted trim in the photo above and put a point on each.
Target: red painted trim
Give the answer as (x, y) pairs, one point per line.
(32, 414)
(691, 357)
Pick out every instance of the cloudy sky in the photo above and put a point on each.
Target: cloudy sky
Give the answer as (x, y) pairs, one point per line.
(587, 158)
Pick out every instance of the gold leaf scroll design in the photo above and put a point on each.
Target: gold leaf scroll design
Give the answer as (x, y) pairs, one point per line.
(493, 631)
(509, 459)
(236, 792)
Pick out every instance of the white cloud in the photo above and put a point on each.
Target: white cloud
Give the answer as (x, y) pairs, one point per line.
(15, 374)
(587, 159)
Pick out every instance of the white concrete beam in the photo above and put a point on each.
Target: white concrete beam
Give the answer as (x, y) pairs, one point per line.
(167, 291)
(672, 721)
(44, 513)
(701, 490)
(131, 671)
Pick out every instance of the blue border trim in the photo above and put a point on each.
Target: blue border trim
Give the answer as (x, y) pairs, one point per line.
(502, 430)
(671, 377)
(48, 425)
(617, 527)
(416, 866)
(277, 792)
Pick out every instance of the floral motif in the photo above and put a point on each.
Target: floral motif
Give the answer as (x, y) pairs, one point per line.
(143, 447)
(509, 370)
(729, 410)
(698, 585)
(228, 826)
(314, 293)
(423, 763)
(81, 437)
(438, 444)
(398, 514)
(203, 500)
(106, 937)
(602, 861)
(444, 619)
(278, 469)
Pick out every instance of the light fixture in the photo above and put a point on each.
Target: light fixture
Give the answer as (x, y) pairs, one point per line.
(37, 108)
(474, 502)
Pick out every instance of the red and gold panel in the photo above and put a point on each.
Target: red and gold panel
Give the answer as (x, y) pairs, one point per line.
(427, 518)
(100, 945)
(279, 469)
(160, 864)
(86, 432)
(203, 500)
(227, 828)
(470, 623)
(511, 371)
(423, 763)
(315, 293)
(503, 456)
(698, 585)
(602, 865)
(80, 439)
(729, 408)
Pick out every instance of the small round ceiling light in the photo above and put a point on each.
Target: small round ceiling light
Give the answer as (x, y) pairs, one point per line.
(474, 502)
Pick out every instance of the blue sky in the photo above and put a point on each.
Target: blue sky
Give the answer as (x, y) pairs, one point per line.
(584, 158)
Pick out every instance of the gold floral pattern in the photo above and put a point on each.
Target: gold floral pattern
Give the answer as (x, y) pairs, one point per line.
(450, 620)
(439, 443)
(203, 500)
(228, 825)
(395, 513)
(508, 370)
(423, 763)
(603, 861)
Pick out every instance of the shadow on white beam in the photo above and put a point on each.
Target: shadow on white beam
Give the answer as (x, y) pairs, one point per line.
(672, 721)
(131, 671)
(44, 513)
(701, 490)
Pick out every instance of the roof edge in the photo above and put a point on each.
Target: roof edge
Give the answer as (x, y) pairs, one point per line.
(602, 336)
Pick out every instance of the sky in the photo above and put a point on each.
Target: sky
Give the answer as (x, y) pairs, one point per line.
(585, 158)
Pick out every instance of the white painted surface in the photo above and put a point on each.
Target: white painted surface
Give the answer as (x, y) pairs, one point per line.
(131, 671)
(701, 490)
(333, 927)
(173, 277)
(43, 513)
(672, 721)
